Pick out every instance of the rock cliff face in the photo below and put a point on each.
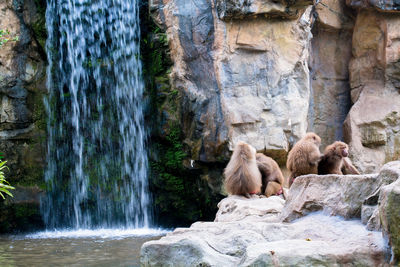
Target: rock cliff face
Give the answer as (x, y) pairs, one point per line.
(265, 72)
(372, 126)
(303, 231)
(22, 114)
(243, 71)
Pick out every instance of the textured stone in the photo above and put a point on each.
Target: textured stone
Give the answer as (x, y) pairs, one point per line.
(239, 80)
(22, 115)
(372, 126)
(380, 5)
(233, 9)
(244, 235)
(333, 14)
(389, 206)
(238, 208)
(310, 241)
(333, 194)
(330, 54)
(313, 240)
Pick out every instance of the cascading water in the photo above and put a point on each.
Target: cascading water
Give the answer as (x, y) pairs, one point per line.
(97, 163)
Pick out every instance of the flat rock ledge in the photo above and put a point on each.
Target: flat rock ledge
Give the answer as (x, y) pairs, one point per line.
(318, 225)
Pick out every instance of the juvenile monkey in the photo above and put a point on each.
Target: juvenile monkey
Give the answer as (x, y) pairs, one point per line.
(242, 176)
(271, 176)
(335, 160)
(304, 157)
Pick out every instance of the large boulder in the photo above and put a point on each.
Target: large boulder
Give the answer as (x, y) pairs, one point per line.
(337, 195)
(314, 239)
(250, 232)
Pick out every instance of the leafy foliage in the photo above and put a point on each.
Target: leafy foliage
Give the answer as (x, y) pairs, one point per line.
(4, 185)
(5, 37)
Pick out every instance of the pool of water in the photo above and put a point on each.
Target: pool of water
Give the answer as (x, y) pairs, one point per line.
(76, 248)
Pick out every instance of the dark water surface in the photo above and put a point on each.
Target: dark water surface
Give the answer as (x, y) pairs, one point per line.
(76, 249)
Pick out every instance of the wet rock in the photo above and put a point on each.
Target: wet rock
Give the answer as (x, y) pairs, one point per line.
(22, 115)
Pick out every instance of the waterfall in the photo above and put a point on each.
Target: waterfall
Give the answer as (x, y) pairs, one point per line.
(97, 165)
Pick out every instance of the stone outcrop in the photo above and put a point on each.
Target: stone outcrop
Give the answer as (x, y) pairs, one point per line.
(372, 127)
(251, 232)
(22, 113)
(242, 75)
(336, 195)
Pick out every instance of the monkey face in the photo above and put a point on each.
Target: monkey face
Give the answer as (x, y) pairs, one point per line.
(345, 152)
(341, 148)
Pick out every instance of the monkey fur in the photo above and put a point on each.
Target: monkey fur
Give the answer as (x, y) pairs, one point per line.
(335, 160)
(271, 176)
(304, 157)
(242, 176)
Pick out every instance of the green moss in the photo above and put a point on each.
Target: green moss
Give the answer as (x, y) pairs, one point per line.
(20, 217)
(39, 26)
(33, 176)
(39, 113)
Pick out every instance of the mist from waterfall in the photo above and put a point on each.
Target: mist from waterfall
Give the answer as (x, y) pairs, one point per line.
(97, 164)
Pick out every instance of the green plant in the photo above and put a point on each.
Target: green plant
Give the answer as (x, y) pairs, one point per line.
(4, 185)
(5, 37)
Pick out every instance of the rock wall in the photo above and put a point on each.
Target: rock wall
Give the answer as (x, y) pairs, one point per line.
(265, 72)
(372, 127)
(243, 71)
(330, 55)
(22, 114)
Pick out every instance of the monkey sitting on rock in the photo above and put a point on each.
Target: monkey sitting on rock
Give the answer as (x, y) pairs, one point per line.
(304, 157)
(272, 177)
(242, 176)
(335, 160)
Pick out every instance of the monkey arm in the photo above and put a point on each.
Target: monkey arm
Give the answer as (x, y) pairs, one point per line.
(348, 167)
(314, 156)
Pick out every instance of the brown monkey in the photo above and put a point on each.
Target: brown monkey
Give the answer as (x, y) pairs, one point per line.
(242, 176)
(304, 157)
(271, 176)
(335, 160)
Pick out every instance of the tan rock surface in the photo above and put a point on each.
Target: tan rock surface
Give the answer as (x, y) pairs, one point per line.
(372, 127)
(240, 79)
